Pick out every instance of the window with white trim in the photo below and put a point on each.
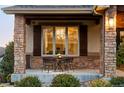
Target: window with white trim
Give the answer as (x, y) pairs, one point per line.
(62, 40)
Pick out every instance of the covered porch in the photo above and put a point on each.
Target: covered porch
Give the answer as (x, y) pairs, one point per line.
(74, 36)
(80, 32)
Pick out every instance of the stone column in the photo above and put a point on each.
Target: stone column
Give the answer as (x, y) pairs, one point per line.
(19, 44)
(110, 43)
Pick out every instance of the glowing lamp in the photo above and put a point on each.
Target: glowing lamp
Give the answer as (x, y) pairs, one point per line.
(111, 22)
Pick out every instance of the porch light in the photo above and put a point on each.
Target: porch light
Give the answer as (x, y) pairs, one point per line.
(111, 22)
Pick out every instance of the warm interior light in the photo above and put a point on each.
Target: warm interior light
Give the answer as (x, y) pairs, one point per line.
(60, 33)
(111, 22)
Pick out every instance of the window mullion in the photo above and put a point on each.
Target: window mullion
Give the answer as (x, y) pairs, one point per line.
(54, 40)
(66, 41)
(78, 41)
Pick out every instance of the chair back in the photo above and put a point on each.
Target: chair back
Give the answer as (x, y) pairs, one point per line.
(48, 60)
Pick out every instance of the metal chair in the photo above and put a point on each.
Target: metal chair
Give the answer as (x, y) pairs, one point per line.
(69, 63)
(48, 63)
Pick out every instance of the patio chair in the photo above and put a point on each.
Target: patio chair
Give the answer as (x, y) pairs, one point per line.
(69, 63)
(48, 63)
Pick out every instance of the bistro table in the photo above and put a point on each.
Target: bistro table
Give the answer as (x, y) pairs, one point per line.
(58, 64)
(63, 63)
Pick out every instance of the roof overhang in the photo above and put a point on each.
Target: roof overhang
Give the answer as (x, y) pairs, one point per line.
(28, 10)
(47, 11)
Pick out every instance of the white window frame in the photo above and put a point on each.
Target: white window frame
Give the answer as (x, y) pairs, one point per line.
(54, 41)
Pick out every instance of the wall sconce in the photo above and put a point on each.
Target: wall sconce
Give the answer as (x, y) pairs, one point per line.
(111, 22)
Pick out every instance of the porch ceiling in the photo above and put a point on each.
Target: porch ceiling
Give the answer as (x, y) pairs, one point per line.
(63, 17)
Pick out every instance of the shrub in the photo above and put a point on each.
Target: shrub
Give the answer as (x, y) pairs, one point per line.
(8, 78)
(7, 63)
(1, 78)
(120, 55)
(117, 81)
(29, 82)
(100, 83)
(65, 80)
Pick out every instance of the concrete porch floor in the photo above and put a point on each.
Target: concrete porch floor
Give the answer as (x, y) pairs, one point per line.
(76, 71)
(46, 77)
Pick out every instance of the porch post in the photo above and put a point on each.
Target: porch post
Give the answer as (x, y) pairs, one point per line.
(110, 43)
(102, 45)
(19, 44)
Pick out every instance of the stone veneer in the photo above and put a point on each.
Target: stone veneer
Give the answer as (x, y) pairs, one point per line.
(19, 44)
(110, 44)
(36, 62)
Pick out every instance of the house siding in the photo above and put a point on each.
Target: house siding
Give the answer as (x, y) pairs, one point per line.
(94, 38)
(29, 40)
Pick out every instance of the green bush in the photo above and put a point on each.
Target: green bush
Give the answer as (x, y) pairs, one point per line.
(65, 80)
(1, 78)
(100, 83)
(29, 82)
(8, 78)
(7, 63)
(117, 81)
(120, 55)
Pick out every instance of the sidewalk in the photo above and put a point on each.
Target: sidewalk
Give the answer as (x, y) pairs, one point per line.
(6, 85)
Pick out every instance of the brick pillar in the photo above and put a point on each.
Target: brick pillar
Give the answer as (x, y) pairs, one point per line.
(110, 44)
(19, 44)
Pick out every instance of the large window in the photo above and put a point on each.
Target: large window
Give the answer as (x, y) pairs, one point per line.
(60, 39)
